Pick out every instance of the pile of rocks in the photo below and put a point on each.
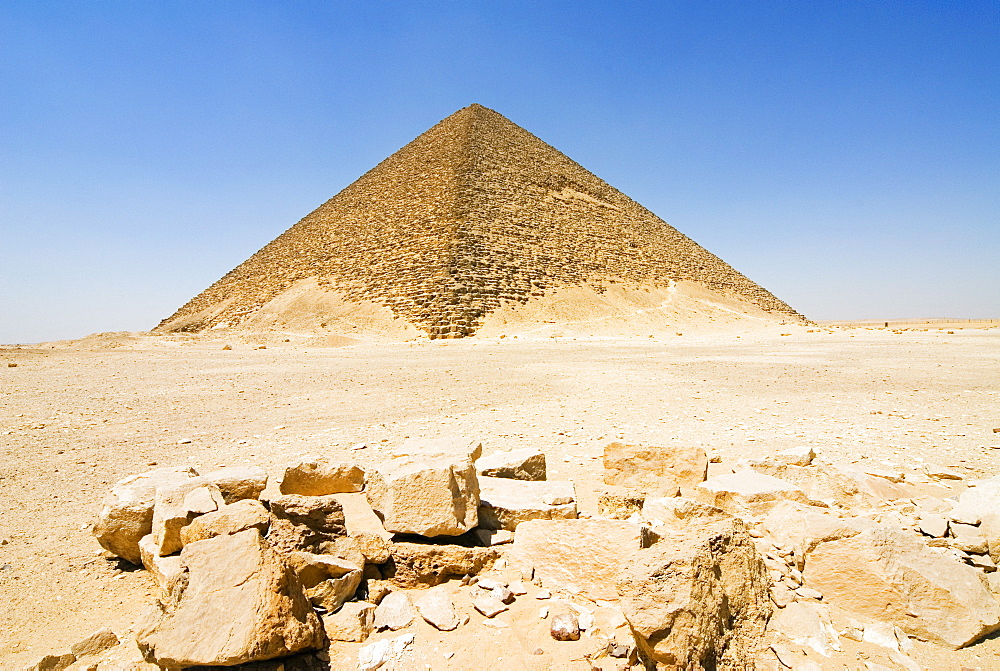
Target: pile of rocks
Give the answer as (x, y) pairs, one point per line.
(676, 570)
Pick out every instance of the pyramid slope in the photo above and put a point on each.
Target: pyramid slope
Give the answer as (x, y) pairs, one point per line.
(473, 214)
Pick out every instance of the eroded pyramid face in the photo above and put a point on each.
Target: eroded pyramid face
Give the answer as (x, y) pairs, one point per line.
(474, 214)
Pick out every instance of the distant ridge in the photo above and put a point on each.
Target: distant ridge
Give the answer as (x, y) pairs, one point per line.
(474, 214)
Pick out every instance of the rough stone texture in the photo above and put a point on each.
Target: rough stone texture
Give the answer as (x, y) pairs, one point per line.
(353, 623)
(698, 599)
(395, 612)
(424, 564)
(565, 627)
(429, 495)
(807, 624)
(674, 510)
(802, 528)
(177, 506)
(748, 488)
(332, 593)
(374, 548)
(653, 469)
(892, 577)
(504, 503)
(53, 663)
(317, 477)
(94, 644)
(474, 213)
(797, 456)
(619, 506)
(579, 556)
(239, 516)
(438, 609)
(980, 504)
(829, 484)
(165, 570)
(241, 603)
(239, 482)
(488, 603)
(525, 464)
(312, 569)
(304, 522)
(127, 514)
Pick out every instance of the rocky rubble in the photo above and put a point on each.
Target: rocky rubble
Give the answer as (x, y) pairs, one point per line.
(743, 570)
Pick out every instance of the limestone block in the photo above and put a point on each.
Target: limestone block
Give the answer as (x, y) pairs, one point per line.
(619, 505)
(654, 469)
(579, 556)
(748, 488)
(436, 495)
(892, 577)
(323, 514)
(674, 510)
(797, 456)
(175, 507)
(312, 569)
(318, 477)
(239, 482)
(127, 514)
(699, 598)
(353, 623)
(426, 564)
(438, 609)
(395, 612)
(800, 527)
(239, 516)
(807, 624)
(504, 503)
(165, 570)
(524, 464)
(980, 505)
(331, 594)
(96, 643)
(241, 603)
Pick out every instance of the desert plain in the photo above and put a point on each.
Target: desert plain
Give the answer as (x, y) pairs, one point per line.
(77, 417)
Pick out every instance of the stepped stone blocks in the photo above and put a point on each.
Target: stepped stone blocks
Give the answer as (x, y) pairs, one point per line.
(474, 213)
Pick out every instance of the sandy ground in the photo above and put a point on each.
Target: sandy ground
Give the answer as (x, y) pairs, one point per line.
(74, 422)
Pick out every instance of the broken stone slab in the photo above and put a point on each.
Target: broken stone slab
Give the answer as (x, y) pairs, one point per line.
(376, 550)
(53, 662)
(312, 569)
(229, 519)
(619, 505)
(980, 505)
(893, 577)
(830, 483)
(698, 598)
(808, 625)
(942, 472)
(800, 527)
(428, 564)
(674, 510)
(748, 488)
(127, 514)
(376, 655)
(488, 537)
(95, 644)
(177, 506)
(579, 556)
(241, 603)
(524, 464)
(433, 495)
(332, 593)
(797, 456)
(318, 477)
(440, 447)
(395, 612)
(304, 522)
(488, 603)
(653, 469)
(353, 623)
(935, 526)
(438, 609)
(968, 538)
(239, 482)
(165, 570)
(505, 503)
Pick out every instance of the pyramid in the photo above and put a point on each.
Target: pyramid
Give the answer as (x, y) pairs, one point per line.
(473, 215)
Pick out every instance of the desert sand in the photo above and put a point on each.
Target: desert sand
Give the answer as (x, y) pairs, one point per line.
(75, 418)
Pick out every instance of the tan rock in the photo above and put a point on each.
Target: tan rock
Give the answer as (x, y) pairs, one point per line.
(304, 522)
(438, 609)
(229, 519)
(353, 623)
(96, 643)
(565, 627)
(127, 514)
(375, 549)
(312, 569)
(809, 625)
(619, 506)
(748, 488)
(673, 510)
(800, 527)
(177, 506)
(654, 469)
(440, 447)
(504, 503)
(318, 477)
(395, 612)
(241, 603)
(332, 593)
(525, 464)
(488, 603)
(165, 570)
(53, 663)
(579, 556)
(239, 482)
(892, 577)
(698, 598)
(968, 538)
(797, 456)
(426, 564)
(433, 495)
(980, 505)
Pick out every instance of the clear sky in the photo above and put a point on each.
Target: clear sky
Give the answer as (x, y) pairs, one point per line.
(845, 155)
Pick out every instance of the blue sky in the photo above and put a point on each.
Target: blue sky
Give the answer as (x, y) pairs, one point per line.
(845, 155)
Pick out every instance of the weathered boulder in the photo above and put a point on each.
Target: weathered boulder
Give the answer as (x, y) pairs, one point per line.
(239, 516)
(579, 556)
(353, 623)
(375, 549)
(332, 593)
(395, 612)
(432, 495)
(313, 569)
(800, 527)
(426, 564)
(748, 488)
(241, 603)
(658, 469)
(239, 482)
(504, 503)
(676, 510)
(565, 627)
(127, 514)
(698, 598)
(980, 505)
(53, 662)
(438, 609)
(619, 505)
(891, 576)
(304, 522)
(524, 464)
(96, 643)
(177, 506)
(317, 477)
(165, 570)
